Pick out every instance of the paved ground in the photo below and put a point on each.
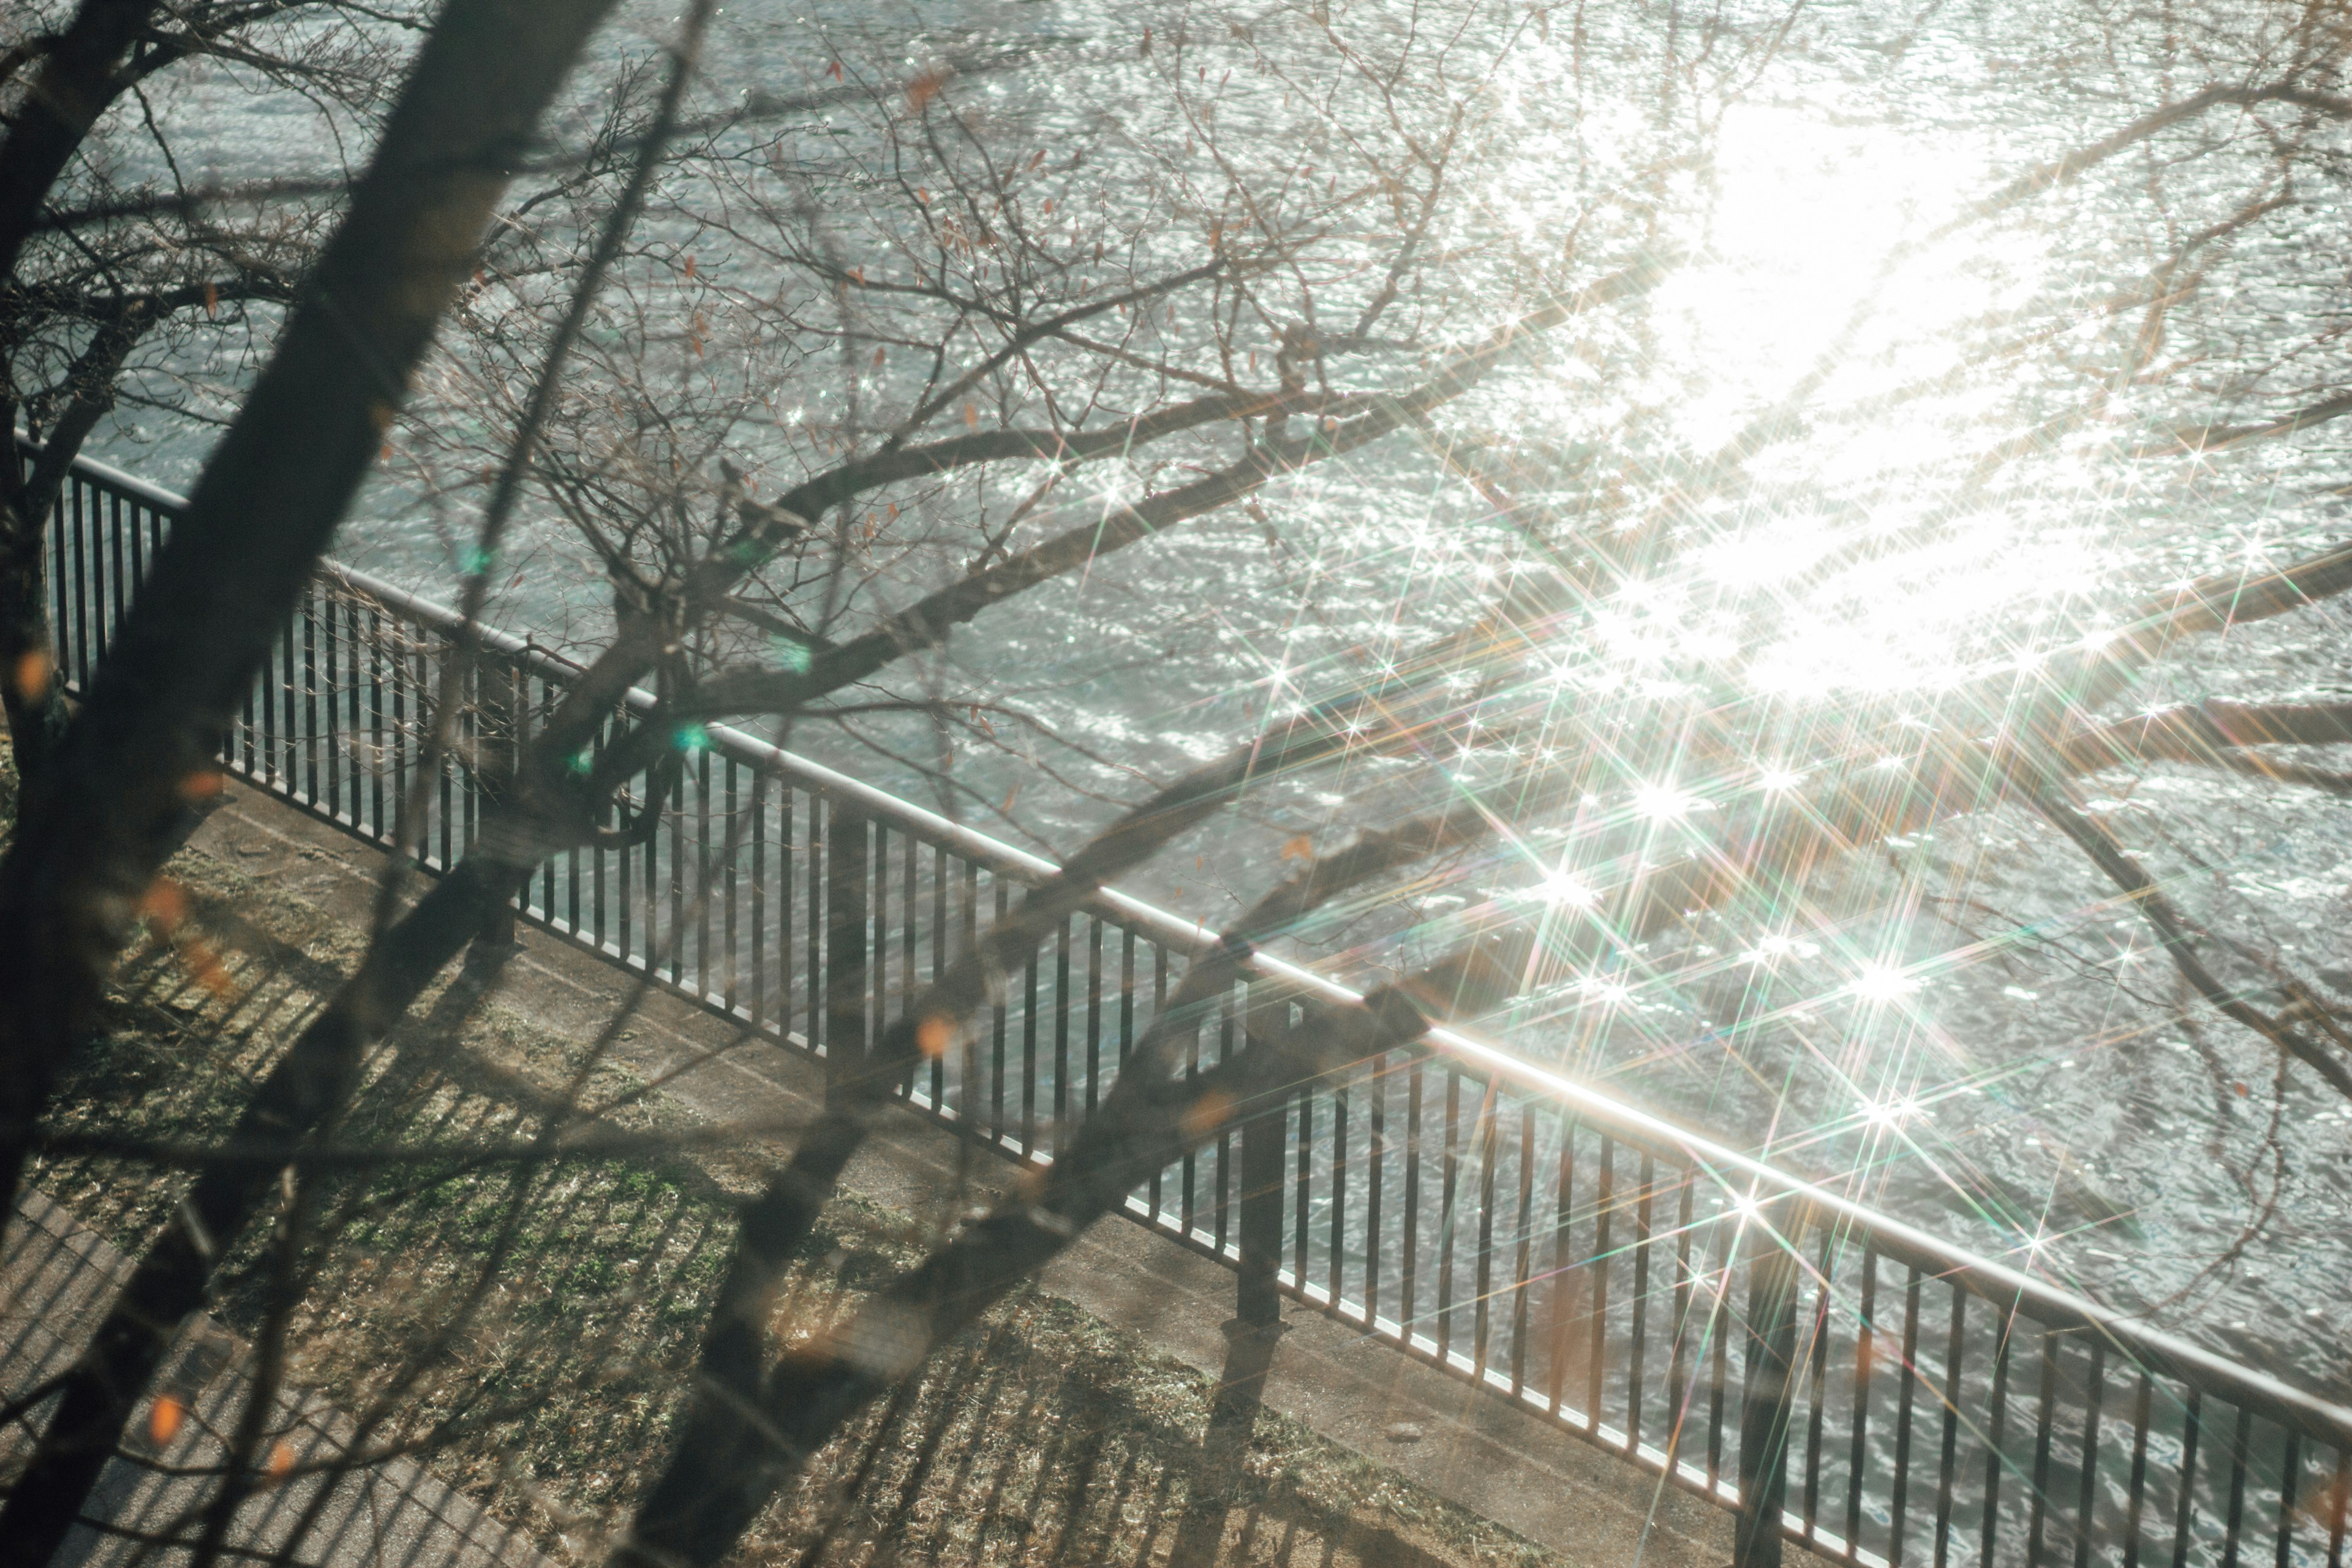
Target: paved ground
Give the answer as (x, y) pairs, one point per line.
(57, 1277)
(1474, 1451)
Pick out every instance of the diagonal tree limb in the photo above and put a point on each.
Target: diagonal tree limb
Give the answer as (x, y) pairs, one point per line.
(93, 834)
(75, 80)
(2172, 934)
(712, 1491)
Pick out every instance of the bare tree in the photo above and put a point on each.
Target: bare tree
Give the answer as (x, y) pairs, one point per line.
(795, 401)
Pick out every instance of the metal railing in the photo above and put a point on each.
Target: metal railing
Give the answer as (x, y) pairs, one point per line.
(1834, 1376)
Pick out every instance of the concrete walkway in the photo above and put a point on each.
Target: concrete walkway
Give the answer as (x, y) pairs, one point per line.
(1472, 1450)
(57, 1278)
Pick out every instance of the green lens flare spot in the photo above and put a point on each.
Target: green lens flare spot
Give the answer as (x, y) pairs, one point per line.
(583, 762)
(693, 738)
(792, 656)
(476, 560)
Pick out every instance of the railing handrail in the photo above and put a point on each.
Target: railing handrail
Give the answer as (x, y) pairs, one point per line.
(1768, 1187)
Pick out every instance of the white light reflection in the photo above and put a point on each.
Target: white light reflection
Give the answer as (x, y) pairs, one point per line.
(1563, 889)
(1883, 982)
(1664, 803)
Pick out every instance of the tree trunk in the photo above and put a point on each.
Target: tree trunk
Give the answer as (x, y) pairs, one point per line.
(92, 832)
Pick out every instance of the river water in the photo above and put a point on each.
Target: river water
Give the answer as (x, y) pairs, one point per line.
(1959, 409)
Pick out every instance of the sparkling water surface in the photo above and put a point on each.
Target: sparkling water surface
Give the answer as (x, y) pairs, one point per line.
(1945, 424)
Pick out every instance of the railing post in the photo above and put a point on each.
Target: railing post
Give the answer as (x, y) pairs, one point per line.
(498, 749)
(1767, 1400)
(1258, 1300)
(845, 839)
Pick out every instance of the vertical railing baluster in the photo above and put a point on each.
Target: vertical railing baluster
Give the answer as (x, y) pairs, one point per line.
(1302, 1194)
(310, 701)
(2339, 1504)
(1029, 1070)
(1127, 944)
(336, 694)
(1188, 1165)
(1767, 1399)
(1948, 1461)
(1522, 1253)
(1677, 1377)
(759, 933)
(81, 627)
(375, 721)
(1159, 999)
(124, 586)
(1339, 1224)
(940, 958)
(729, 953)
(2136, 1504)
(1907, 1379)
(1482, 1279)
(1224, 1154)
(2184, 1519)
(1996, 1417)
(812, 974)
(1640, 1305)
(674, 939)
(1817, 1371)
(498, 752)
(2086, 1499)
(1265, 1134)
(2233, 1522)
(845, 889)
(2044, 1423)
(1408, 1266)
(1719, 1335)
(1449, 1180)
(702, 892)
(1566, 1278)
(877, 969)
(910, 852)
(2290, 1463)
(1376, 1154)
(1062, 1046)
(1094, 1012)
(1866, 1351)
(1604, 1215)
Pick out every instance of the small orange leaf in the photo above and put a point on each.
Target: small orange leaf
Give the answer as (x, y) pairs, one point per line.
(281, 1461)
(971, 416)
(167, 906)
(834, 70)
(1206, 1114)
(1298, 848)
(204, 966)
(689, 267)
(924, 88)
(212, 298)
(33, 671)
(933, 1037)
(163, 1418)
(203, 785)
(877, 359)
